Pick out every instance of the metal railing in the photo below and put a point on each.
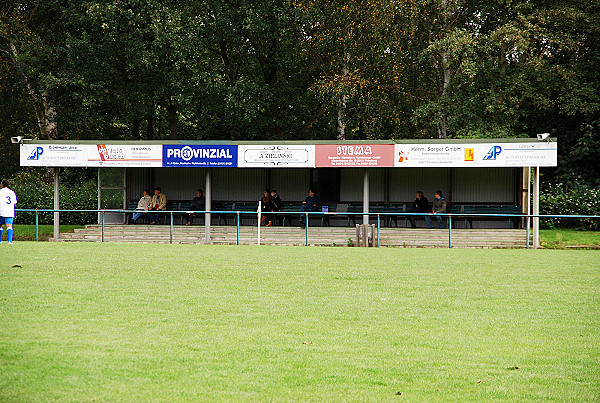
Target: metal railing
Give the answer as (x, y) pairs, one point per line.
(307, 215)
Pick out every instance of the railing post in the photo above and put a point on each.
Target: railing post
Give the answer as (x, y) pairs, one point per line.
(238, 228)
(102, 225)
(306, 231)
(36, 225)
(528, 225)
(259, 214)
(171, 229)
(378, 225)
(450, 231)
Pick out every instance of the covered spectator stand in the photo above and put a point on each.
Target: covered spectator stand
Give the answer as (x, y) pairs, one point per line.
(367, 177)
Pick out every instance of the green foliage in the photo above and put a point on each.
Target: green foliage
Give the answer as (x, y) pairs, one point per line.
(575, 199)
(35, 194)
(271, 69)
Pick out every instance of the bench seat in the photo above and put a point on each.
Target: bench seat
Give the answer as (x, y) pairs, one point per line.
(513, 222)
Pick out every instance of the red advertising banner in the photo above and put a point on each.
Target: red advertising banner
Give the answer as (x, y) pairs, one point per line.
(354, 155)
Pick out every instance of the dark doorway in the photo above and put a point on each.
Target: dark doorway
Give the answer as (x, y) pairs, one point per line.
(326, 182)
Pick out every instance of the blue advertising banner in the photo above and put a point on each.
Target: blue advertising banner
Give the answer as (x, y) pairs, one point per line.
(199, 156)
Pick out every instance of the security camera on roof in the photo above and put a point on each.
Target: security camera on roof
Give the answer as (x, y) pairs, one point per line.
(543, 136)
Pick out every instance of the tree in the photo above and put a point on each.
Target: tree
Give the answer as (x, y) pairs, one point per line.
(30, 42)
(359, 47)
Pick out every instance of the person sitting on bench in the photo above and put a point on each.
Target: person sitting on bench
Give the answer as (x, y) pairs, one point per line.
(159, 203)
(311, 203)
(420, 205)
(439, 206)
(143, 206)
(198, 204)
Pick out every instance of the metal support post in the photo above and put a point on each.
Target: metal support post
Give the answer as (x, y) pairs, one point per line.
(450, 231)
(536, 209)
(207, 205)
(306, 231)
(378, 226)
(238, 228)
(258, 212)
(366, 196)
(56, 203)
(171, 239)
(528, 204)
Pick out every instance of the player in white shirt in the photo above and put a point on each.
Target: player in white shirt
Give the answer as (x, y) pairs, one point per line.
(8, 199)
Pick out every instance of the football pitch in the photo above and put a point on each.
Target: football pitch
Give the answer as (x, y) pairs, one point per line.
(126, 322)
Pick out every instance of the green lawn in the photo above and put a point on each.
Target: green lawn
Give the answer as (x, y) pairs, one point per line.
(561, 238)
(124, 322)
(27, 232)
(555, 238)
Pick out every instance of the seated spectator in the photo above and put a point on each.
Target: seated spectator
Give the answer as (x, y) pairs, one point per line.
(143, 206)
(276, 201)
(198, 204)
(158, 203)
(420, 205)
(439, 206)
(311, 203)
(266, 208)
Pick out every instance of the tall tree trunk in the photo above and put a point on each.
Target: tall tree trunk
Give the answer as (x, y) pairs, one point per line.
(341, 116)
(341, 124)
(50, 128)
(44, 112)
(442, 129)
(444, 65)
(502, 61)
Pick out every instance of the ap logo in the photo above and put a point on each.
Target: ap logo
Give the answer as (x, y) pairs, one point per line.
(35, 154)
(493, 153)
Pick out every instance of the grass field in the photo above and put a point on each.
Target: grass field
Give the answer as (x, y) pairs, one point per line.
(561, 238)
(27, 232)
(123, 322)
(555, 238)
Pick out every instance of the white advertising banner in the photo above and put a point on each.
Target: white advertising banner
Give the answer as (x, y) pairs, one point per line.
(54, 155)
(91, 155)
(107, 155)
(279, 156)
(481, 155)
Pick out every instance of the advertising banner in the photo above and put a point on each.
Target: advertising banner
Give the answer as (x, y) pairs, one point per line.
(479, 155)
(107, 155)
(354, 155)
(279, 156)
(91, 155)
(55, 155)
(199, 156)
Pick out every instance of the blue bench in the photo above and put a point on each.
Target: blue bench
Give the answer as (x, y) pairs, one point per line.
(513, 222)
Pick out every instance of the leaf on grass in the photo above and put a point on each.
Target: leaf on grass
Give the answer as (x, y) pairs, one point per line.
(398, 394)
(16, 265)
(307, 342)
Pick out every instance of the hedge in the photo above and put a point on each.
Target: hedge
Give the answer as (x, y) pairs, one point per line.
(73, 196)
(573, 199)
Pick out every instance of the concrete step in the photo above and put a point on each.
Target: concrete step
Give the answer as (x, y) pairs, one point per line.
(339, 236)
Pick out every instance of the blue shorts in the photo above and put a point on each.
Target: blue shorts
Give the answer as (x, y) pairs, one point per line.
(6, 220)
